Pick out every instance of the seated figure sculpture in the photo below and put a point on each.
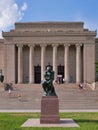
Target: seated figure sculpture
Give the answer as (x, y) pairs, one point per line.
(47, 83)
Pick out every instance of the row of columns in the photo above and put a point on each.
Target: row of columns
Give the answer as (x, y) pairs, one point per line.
(66, 62)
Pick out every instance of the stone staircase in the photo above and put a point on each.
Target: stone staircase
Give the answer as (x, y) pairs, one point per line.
(75, 98)
(28, 96)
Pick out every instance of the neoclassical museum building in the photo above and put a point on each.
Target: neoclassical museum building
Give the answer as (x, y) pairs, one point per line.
(67, 46)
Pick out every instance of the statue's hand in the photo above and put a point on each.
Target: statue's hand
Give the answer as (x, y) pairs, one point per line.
(49, 81)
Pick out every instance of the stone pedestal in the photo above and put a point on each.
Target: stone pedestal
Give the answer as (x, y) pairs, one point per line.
(49, 110)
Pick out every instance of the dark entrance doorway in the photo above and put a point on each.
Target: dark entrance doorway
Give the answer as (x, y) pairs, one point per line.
(60, 75)
(37, 74)
(61, 70)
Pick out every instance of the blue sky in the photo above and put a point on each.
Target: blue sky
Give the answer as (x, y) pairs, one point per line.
(48, 10)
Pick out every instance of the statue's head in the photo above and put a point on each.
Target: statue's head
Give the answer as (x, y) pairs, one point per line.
(49, 68)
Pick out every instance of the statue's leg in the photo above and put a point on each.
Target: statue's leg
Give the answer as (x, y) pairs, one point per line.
(44, 85)
(53, 90)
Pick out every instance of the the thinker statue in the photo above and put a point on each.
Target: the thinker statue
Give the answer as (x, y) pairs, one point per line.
(47, 83)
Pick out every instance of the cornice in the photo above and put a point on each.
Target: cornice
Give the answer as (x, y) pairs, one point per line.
(48, 33)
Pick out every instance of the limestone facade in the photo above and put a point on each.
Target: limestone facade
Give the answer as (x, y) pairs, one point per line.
(67, 46)
(96, 50)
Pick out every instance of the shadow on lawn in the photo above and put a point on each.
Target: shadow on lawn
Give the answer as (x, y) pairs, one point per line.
(86, 121)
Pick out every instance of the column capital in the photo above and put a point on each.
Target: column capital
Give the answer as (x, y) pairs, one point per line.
(66, 45)
(31, 45)
(43, 45)
(78, 45)
(19, 45)
(55, 45)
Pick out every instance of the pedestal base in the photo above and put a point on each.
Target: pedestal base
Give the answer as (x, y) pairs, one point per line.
(49, 110)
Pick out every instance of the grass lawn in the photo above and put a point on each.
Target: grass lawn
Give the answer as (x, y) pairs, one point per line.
(13, 121)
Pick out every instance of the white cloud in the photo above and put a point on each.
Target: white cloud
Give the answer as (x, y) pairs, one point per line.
(10, 13)
(24, 7)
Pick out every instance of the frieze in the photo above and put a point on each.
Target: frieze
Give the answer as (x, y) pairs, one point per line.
(9, 38)
(90, 38)
(50, 42)
(50, 38)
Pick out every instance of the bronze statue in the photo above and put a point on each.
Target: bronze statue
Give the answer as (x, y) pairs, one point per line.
(47, 83)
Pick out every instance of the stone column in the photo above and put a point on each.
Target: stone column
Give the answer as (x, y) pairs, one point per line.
(42, 61)
(78, 63)
(31, 64)
(20, 64)
(66, 63)
(55, 60)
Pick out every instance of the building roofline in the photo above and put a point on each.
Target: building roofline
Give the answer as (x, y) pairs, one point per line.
(47, 24)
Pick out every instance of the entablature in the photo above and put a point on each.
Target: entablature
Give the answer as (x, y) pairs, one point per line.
(48, 33)
(49, 42)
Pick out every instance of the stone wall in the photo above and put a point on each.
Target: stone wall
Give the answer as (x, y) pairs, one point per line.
(89, 62)
(96, 50)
